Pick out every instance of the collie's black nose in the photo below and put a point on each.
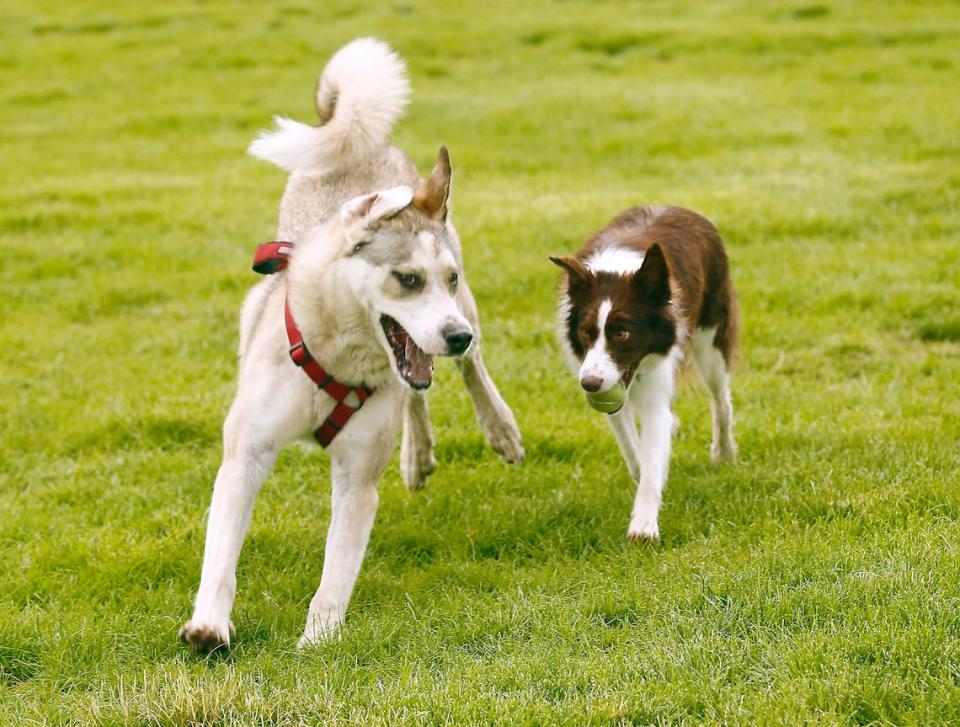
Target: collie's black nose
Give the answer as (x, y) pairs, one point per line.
(591, 383)
(458, 339)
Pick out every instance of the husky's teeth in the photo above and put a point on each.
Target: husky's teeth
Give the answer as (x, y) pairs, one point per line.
(413, 363)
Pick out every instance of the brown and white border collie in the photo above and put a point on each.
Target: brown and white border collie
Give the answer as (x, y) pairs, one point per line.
(643, 292)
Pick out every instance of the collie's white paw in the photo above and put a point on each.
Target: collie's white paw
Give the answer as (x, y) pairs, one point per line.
(643, 529)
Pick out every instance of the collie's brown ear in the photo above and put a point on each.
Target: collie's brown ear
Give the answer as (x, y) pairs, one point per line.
(577, 273)
(432, 197)
(653, 278)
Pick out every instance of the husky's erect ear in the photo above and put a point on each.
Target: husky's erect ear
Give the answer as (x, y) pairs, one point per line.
(362, 213)
(432, 197)
(653, 278)
(578, 275)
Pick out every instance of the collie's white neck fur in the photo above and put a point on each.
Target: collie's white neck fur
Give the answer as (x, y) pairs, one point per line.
(617, 260)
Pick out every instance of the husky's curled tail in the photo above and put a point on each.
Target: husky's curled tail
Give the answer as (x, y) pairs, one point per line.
(362, 92)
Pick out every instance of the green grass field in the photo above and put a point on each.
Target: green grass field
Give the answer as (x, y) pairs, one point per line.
(817, 581)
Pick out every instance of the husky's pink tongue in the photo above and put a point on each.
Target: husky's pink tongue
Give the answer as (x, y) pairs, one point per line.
(421, 364)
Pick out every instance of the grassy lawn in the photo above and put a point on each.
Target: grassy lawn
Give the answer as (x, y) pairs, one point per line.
(817, 581)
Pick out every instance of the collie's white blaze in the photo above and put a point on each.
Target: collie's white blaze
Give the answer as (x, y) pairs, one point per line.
(598, 362)
(618, 260)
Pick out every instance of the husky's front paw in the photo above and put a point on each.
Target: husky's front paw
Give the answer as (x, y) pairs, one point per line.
(206, 637)
(416, 463)
(643, 529)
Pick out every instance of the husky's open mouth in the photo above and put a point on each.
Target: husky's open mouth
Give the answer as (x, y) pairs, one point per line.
(415, 366)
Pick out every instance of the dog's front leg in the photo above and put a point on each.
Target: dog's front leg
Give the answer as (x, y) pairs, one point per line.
(234, 491)
(416, 446)
(624, 428)
(494, 416)
(357, 465)
(653, 398)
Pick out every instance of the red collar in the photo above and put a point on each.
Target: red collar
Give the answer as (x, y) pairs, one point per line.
(272, 257)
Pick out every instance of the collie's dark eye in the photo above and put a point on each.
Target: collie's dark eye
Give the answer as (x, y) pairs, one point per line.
(621, 336)
(408, 280)
(588, 334)
(454, 280)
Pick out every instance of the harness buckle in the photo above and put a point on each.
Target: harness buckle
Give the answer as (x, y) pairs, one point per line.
(300, 355)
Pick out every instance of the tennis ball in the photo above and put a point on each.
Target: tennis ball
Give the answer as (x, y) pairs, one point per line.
(609, 402)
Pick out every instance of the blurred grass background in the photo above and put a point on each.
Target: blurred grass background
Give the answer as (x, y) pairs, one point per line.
(817, 581)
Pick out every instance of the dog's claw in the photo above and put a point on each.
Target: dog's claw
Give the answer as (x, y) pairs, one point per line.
(644, 531)
(415, 469)
(205, 638)
(639, 537)
(504, 438)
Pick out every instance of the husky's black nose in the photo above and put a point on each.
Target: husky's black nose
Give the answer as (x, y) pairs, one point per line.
(458, 339)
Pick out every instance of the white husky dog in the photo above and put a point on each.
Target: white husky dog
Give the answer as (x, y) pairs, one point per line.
(375, 289)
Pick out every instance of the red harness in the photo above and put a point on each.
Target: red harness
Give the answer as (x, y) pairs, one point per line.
(272, 257)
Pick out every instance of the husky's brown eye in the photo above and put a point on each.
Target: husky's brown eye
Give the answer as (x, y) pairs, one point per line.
(408, 280)
(621, 336)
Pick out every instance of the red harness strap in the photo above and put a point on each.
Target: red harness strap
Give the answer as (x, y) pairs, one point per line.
(273, 257)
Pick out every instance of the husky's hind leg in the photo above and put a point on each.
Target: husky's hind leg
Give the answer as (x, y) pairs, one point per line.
(416, 446)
